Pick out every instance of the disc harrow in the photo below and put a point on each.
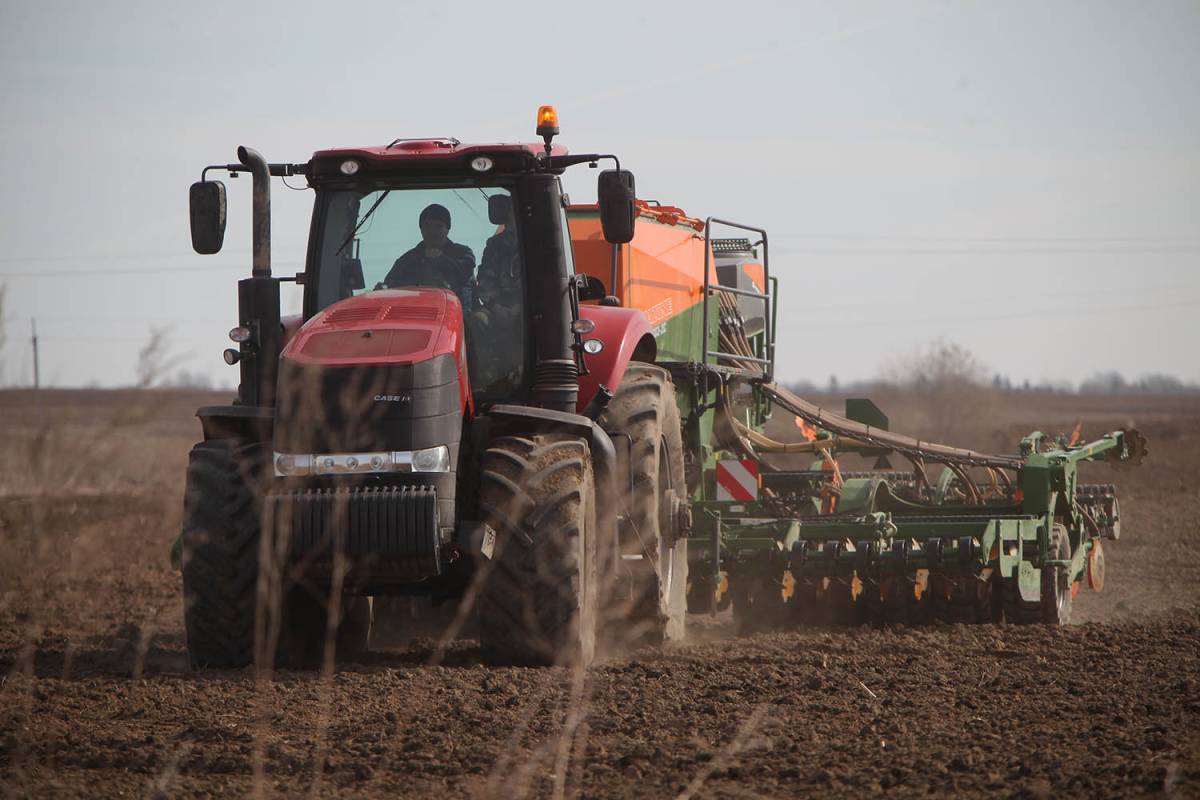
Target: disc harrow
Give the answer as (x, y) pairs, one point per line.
(993, 537)
(896, 548)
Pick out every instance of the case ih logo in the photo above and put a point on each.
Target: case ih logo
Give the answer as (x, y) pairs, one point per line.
(392, 398)
(737, 481)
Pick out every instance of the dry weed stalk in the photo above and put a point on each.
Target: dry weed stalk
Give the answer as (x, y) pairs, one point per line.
(161, 787)
(728, 753)
(3, 328)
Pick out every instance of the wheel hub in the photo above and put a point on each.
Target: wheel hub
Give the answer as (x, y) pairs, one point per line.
(677, 517)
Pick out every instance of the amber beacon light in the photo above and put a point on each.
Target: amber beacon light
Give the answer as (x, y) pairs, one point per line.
(547, 121)
(547, 125)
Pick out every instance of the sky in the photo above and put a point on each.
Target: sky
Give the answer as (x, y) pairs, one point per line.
(1019, 178)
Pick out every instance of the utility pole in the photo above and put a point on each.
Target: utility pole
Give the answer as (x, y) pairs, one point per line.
(36, 375)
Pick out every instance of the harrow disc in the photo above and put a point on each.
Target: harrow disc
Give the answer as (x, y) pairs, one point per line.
(905, 599)
(966, 599)
(1095, 566)
(758, 601)
(826, 602)
(805, 604)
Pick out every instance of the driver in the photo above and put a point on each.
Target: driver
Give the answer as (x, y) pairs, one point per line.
(436, 260)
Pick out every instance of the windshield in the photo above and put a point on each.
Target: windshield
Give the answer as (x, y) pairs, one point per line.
(440, 237)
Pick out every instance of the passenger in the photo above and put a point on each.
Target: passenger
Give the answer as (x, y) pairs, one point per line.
(436, 260)
(497, 324)
(499, 281)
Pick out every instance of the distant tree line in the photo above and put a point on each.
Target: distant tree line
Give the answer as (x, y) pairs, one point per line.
(945, 367)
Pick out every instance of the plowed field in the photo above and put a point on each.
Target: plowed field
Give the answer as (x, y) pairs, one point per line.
(96, 698)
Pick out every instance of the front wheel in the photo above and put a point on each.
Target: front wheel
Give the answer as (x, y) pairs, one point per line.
(236, 598)
(219, 554)
(537, 604)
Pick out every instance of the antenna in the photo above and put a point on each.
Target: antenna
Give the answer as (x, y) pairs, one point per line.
(37, 378)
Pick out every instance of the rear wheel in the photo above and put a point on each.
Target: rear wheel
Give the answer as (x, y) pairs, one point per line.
(538, 600)
(643, 421)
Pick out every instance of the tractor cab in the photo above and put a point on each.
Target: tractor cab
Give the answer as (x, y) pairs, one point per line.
(389, 225)
(436, 416)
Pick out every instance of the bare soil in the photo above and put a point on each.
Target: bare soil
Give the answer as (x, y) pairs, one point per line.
(96, 698)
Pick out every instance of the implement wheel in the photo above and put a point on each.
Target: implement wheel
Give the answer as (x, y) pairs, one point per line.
(538, 600)
(1054, 605)
(643, 421)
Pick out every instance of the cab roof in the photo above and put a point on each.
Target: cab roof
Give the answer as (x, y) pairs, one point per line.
(428, 157)
(435, 148)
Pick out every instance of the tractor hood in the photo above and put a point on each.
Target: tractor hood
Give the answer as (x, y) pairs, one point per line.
(381, 373)
(383, 332)
(391, 326)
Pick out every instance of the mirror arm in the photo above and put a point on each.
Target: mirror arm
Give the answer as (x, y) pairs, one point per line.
(232, 169)
(562, 162)
(616, 255)
(276, 170)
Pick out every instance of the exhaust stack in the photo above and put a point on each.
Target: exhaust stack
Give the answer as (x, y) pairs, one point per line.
(257, 166)
(258, 296)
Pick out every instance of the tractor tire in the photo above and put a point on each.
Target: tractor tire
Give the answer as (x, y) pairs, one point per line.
(221, 543)
(537, 603)
(1054, 605)
(220, 552)
(643, 421)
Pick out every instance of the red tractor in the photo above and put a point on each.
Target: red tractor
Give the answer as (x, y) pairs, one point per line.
(432, 425)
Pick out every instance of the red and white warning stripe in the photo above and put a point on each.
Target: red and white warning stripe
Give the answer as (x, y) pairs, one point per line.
(737, 481)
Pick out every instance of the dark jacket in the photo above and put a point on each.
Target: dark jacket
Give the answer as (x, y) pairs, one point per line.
(454, 269)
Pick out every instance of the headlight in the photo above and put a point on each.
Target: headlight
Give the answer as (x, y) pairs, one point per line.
(287, 465)
(433, 459)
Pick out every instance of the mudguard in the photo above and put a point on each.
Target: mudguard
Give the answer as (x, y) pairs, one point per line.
(624, 332)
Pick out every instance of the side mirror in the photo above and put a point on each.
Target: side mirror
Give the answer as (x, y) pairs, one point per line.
(499, 209)
(206, 205)
(614, 189)
(590, 288)
(352, 277)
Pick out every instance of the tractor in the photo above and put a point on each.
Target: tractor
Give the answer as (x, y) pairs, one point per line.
(432, 424)
(550, 420)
